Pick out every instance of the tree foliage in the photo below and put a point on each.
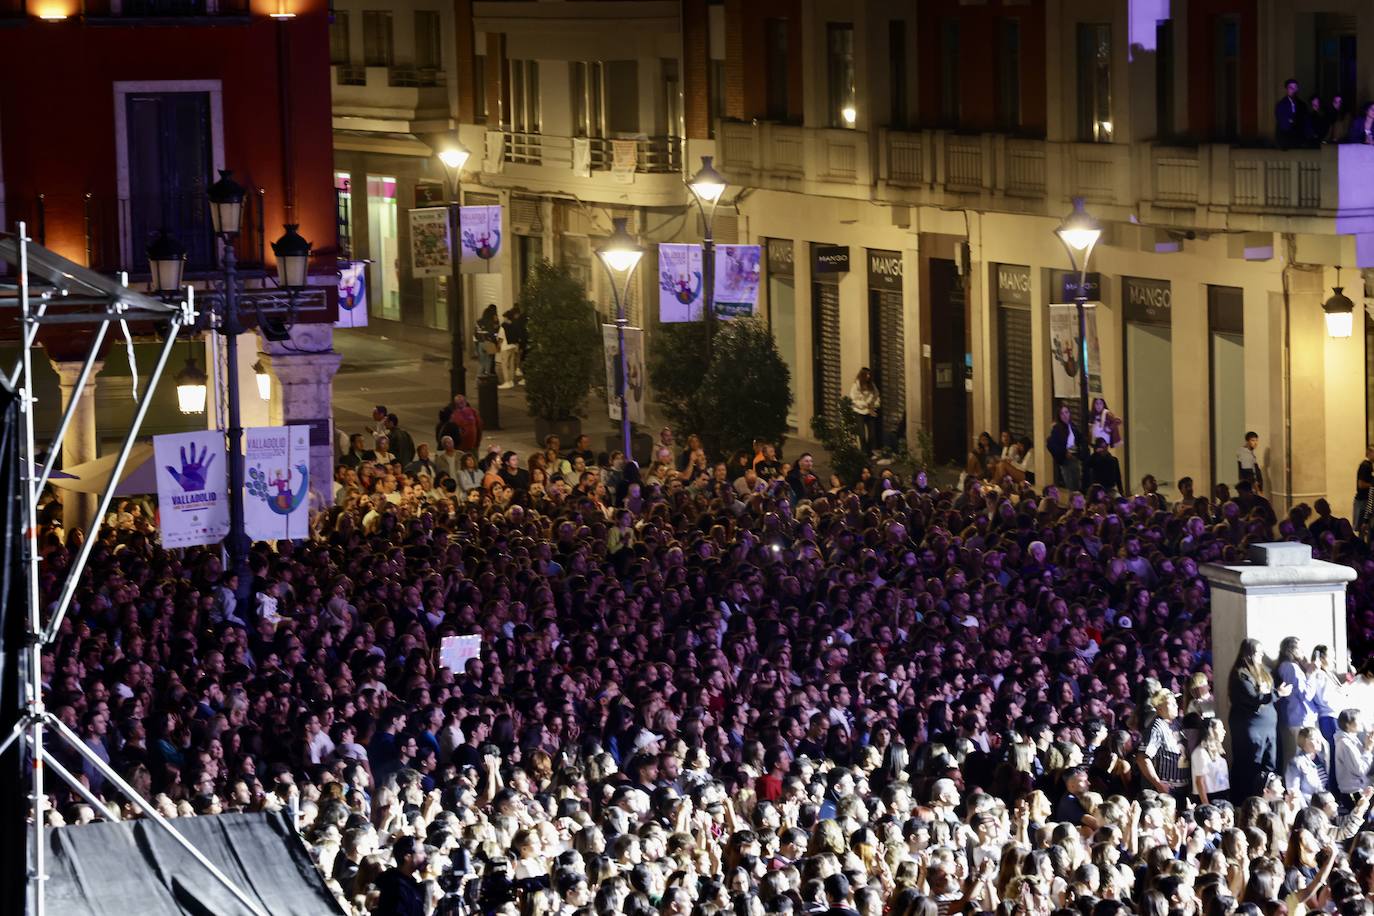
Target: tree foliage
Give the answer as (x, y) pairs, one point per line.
(677, 359)
(564, 361)
(746, 390)
(840, 436)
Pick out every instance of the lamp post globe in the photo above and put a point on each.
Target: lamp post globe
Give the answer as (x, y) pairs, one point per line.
(707, 183)
(293, 258)
(226, 204)
(166, 263)
(191, 388)
(454, 157)
(621, 252)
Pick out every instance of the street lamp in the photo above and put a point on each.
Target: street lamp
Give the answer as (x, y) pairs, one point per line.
(293, 258)
(454, 156)
(621, 254)
(191, 388)
(1340, 311)
(708, 186)
(166, 263)
(1080, 233)
(226, 204)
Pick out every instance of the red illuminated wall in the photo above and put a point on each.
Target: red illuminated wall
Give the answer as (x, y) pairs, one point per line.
(57, 110)
(1202, 16)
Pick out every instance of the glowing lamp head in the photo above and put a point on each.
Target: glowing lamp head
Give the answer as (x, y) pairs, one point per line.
(293, 258)
(226, 204)
(849, 114)
(1340, 314)
(1079, 230)
(454, 157)
(707, 183)
(191, 388)
(166, 263)
(621, 252)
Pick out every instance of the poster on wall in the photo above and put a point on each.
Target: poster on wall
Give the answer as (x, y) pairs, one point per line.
(1065, 353)
(352, 295)
(480, 234)
(634, 368)
(429, 242)
(193, 507)
(276, 491)
(679, 283)
(737, 280)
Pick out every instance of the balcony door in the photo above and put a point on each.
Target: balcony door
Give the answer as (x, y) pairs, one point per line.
(169, 156)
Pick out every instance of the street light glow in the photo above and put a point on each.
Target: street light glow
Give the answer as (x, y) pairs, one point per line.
(621, 252)
(849, 114)
(1340, 311)
(191, 388)
(1079, 231)
(454, 157)
(707, 183)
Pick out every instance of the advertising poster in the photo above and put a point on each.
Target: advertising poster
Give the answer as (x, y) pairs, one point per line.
(192, 497)
(737, 280)
(352, 295)
(635, 392)
(276, 473)
(480, 233)
(1064, 351)
(679, 283)
(429, 242)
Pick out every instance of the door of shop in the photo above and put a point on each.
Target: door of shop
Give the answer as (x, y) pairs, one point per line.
(948, 356)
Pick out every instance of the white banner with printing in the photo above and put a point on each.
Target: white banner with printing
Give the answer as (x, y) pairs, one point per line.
(276, 474)
(192, 497)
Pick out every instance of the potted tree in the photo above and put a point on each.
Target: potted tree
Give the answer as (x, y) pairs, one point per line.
(746, 391)
(563, 362)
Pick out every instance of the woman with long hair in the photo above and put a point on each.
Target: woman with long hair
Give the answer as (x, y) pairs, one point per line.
(1254, 720)
(1211, 773)
(1104, 424)
(866, 401)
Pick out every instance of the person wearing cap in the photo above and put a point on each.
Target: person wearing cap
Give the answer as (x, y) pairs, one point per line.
(400, 894)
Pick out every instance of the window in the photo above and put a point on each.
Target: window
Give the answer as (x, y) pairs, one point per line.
(776, 69)
(169, 167)
(1226, 77)
(429, 54)
(343, 202)
(672, 98)
(520, 103)
(589, 100)
(840, 72)
(377, 47)
(717, 92)
(896, 72)
(340, 54)
(479, 88)
(1336, 72)
(949, 71)
(1009, 74)
(1164, 78)
(1094, 82)
(383, 247)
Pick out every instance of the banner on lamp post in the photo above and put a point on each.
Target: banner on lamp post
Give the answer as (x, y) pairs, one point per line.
(737, 272)
(430, 246)
(634, 368)
(1066, 351)
(276, 474)
(480, 235)
(352, 295)
(679, 283)
(193, 505)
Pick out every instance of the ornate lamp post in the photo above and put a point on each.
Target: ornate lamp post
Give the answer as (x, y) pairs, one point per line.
(621, 255)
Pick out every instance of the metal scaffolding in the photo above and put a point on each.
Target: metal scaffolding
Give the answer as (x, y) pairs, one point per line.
(43, 288)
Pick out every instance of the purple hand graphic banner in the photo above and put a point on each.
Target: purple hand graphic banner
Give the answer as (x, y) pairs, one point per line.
(191, 492)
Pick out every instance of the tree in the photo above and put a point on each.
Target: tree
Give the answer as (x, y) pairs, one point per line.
(840, 436)
(564, 361)
(746, 391)
(676, 357)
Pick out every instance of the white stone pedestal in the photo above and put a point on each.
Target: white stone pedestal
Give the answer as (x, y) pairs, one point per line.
(303, 394)
(1280, 592)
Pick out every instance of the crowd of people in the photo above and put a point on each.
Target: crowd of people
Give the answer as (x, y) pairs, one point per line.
(710, 687)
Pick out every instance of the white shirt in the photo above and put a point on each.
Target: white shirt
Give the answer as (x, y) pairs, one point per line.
(1359, 694)
(1245, 457)
(865, 402)
(1214, 772)
(1352, 762)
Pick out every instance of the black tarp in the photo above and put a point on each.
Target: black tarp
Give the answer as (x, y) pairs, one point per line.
(135, 868)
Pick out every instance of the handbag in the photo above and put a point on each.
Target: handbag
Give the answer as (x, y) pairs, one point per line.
(489, 347)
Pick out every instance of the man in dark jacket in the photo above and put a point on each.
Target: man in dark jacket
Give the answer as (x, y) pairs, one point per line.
(1103, 469)
(1288, 117)
(1063, 445)
(399, 893)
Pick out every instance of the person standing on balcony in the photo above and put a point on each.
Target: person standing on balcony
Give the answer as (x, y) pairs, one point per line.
(1336, 114)
(1288, 116)
(866, 400)
(1362, 127)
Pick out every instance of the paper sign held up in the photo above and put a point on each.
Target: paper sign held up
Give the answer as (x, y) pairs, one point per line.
(455, 651)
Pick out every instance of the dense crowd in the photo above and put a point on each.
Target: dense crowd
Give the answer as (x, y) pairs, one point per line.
(709, 687)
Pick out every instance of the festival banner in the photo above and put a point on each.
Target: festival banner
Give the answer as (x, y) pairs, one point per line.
(430, 247)
(624, 160)
(352, 295)
(736, 291)
(277, 482)
(192, 497)
(634, 367)
(679, 283)
(1065, 353)
(481, 237)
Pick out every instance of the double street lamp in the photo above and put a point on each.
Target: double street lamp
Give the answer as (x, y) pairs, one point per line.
(167, 263)
(621, 255)
(454, 157)
(1080, 233)
(708, 187)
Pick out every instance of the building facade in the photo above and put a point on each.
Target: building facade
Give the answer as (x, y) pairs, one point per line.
(906, 164)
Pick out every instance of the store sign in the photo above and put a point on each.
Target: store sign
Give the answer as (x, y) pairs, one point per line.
(831, 259)
(780, 258)
(1148, 301)
(1013, 284)
(1068, 287)
(884, 269)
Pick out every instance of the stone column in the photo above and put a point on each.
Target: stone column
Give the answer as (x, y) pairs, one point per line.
(81, 444)
(1281, 591)
(303, 395)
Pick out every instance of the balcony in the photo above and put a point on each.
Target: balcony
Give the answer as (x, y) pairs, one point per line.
(788, 158)
(376, 98)
(170, 12)
(415, 78)
(547, 161)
